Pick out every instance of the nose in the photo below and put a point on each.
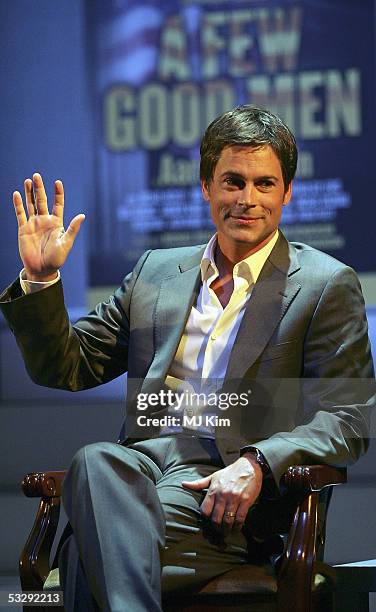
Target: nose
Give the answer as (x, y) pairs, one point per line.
(247, 197)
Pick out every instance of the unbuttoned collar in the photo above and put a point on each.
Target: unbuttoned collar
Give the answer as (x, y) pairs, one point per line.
(248, 268)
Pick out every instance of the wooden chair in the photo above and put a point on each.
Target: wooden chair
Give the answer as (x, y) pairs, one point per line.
(303, 582)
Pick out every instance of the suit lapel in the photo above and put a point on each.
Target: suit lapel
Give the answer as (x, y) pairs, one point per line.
(270, 299)
(178, 292)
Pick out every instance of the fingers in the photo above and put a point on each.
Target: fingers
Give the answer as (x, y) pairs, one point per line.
(225, 517)
(30, 198)
(208, 504)
(226, 510)
(197, 485)
(217, 514)
(40, 194)
(58, 208)
(35, 196)
(234, 517)
(19, 209)
(73, 229)
(241, 515)
(228, 519)
(36, 199)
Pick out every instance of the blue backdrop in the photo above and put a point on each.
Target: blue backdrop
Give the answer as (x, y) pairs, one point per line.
(162, 71)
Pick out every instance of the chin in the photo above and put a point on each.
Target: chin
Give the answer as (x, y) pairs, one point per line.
(244, 237)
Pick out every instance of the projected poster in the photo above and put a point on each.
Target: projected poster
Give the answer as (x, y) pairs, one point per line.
(161, 71)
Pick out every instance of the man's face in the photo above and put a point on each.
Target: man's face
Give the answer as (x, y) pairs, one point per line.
(246, 196)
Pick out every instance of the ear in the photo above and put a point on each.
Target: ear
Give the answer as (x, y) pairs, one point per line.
(288, 194)
(205, 190)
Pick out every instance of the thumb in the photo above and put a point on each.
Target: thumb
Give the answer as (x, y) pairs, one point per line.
(196, 485)
(73, 229)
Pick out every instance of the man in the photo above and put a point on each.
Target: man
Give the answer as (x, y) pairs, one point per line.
(249, 310)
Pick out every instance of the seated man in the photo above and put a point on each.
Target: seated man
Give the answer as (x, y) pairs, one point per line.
(273, 328)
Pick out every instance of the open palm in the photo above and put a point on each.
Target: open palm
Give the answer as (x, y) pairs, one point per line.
(43, 243)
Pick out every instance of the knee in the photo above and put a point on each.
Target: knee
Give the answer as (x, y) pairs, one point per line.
(91, 454)
(88, 459)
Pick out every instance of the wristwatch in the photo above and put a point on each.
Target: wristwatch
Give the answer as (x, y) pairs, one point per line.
(264, 465)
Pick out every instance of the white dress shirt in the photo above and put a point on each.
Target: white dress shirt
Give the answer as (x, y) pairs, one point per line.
(202, 357)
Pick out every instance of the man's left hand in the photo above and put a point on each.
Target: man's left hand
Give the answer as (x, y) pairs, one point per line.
(231, 492)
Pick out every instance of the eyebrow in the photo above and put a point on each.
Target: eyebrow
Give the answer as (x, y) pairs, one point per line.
(232, 173)
(238, 175)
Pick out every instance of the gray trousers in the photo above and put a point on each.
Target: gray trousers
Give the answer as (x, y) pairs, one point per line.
(135, 529)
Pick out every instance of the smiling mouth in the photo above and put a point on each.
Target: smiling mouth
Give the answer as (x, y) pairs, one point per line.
(244, 219)
(242, 216)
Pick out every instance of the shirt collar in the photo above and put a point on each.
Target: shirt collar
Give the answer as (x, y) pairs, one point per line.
(248, 268)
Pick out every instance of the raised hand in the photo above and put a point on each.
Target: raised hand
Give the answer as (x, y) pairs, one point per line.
(42, 241)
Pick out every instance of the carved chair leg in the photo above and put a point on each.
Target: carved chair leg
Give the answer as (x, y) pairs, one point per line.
(34, 562)
(295, 576)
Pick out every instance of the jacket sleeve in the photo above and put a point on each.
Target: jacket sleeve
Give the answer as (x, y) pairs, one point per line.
(73, 357)
(337, 388)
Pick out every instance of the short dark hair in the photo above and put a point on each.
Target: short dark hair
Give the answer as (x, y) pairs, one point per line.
(248, 126)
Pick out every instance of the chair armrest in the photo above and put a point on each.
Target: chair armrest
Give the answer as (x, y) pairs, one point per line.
(298, 478)
(306, 478)
(43, 484)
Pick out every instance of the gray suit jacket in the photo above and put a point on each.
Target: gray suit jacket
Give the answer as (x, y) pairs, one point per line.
(302, 350)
